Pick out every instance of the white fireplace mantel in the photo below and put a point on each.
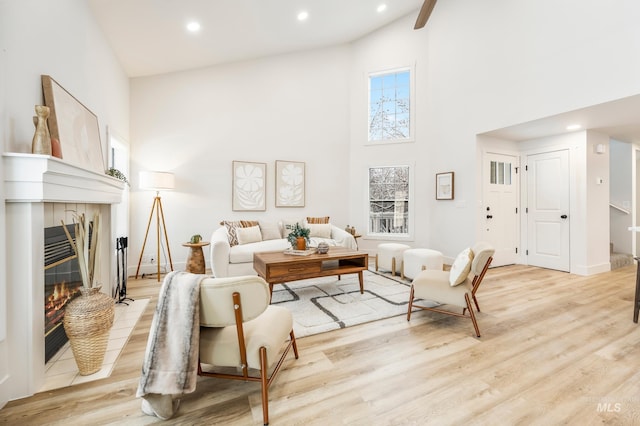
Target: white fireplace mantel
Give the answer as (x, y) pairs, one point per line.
(32, 182)
(42, 178)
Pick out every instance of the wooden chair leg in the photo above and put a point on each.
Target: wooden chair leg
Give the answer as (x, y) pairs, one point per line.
(476, 302)
(265, 385)
(376, 263)
(393, 266)
(410, 306)
(473, 316)
(294, 344)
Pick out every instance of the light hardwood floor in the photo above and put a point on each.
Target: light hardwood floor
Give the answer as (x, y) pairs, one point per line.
(555, 349)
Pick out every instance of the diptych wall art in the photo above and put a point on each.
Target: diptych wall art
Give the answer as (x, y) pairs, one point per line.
(249, 186)
(290, 183)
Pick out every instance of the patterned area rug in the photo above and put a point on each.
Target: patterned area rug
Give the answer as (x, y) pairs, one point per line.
(323, 304)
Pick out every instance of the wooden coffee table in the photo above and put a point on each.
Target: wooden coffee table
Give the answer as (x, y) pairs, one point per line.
(276, 267)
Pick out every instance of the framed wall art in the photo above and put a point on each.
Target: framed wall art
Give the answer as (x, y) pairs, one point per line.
(75, 126)
(290, 183)
(444, 186)
(249, 186)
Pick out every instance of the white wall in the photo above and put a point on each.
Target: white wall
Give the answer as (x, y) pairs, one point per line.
(622, 157)
(291, 107)
(60, 39)
(482, 66)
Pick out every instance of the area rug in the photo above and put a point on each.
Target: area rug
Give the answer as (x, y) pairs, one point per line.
(323, 304)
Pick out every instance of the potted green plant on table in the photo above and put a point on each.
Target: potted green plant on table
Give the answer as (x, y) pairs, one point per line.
(299, 237)
(88, 317)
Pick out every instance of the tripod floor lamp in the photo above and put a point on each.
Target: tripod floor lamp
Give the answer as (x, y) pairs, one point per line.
(156, 181)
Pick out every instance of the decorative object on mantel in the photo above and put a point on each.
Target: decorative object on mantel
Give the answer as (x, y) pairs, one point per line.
(41, 143)
(74, 125)
(117, 174)
(299, 237)
(88, 318)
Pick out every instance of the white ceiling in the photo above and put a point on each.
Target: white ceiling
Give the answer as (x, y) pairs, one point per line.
(619, 119)
(149, 36)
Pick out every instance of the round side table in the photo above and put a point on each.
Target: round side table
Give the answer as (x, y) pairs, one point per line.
(195, 260)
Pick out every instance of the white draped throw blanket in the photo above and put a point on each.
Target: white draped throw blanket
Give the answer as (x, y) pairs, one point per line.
(170, 367)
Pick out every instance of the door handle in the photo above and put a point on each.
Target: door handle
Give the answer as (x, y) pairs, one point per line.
(489, 216)
(564, 216)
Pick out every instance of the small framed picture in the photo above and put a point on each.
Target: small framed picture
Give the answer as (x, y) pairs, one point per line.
(444, 186)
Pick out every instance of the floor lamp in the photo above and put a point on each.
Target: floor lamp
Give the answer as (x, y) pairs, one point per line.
(156, 181)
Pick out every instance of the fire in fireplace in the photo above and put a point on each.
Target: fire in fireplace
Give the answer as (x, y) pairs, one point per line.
(62, 282)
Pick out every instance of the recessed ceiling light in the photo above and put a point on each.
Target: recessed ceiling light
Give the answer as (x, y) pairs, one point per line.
(193, 26)
(573, 127)
(381, 8)
(302, 16)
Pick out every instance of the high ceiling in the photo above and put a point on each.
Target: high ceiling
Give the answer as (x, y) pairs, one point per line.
(150, 36)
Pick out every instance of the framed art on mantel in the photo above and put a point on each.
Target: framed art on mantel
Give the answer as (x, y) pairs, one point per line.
(290, 183)
(249, 186)
(75, 126)
(444, 186)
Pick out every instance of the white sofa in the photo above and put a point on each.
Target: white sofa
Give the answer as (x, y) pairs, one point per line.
(235, 260)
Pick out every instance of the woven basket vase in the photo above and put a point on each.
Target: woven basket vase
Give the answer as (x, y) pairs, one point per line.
(87, 321)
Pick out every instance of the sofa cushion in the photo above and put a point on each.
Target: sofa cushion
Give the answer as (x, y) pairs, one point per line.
(321, 230)
(244, 253)
(314, 241)
(461, 267)
(324, 219)
(231, 226)
(269, 230)
(247, 235)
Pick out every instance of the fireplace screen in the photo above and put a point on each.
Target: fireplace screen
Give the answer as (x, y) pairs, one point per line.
(62, 282)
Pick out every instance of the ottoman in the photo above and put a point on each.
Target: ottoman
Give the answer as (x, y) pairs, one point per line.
(415, 260)
(389, 256)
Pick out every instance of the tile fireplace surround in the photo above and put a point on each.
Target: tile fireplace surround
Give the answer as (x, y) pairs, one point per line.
(41, 191)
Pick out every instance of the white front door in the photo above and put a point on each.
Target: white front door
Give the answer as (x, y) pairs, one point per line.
(548, 210)
(500, 207)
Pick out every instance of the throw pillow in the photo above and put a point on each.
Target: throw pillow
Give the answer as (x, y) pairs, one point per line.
(248, 235)
(320, 230)
(324, 219)
(269, 230)
(231, 230)
(232, 225)
(461, 267)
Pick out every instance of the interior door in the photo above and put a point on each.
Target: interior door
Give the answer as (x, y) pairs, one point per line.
(500, 207)
(548, 210)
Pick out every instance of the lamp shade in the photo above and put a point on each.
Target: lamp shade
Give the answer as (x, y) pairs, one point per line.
(157, 180)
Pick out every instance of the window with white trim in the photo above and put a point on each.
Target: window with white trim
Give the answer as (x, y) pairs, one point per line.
(389, 201)
(390, 107)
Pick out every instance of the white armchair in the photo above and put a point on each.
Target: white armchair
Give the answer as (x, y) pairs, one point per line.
(456, 287)
(241, 329)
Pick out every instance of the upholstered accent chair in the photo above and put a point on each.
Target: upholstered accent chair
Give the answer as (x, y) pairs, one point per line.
(241, 330)
(456, 287)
